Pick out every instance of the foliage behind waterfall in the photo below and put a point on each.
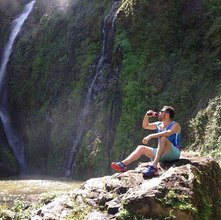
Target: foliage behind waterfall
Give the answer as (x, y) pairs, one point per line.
(168, 52)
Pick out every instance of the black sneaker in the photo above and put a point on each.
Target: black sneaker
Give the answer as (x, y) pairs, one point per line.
(150, 171)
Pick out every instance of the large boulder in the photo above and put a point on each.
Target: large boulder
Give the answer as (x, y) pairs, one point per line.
(188, 189)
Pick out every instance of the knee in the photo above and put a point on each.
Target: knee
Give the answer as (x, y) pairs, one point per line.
(141, 149)
(163, 140)
(164, 143)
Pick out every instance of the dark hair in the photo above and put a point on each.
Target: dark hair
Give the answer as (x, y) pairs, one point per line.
(169, 110)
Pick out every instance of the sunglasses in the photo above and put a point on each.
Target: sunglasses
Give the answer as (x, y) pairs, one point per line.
(163, 111)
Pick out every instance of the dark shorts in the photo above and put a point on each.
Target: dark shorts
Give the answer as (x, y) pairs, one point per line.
(173, 154)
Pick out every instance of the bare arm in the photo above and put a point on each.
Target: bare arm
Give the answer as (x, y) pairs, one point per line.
(146, 124)
(174, 129)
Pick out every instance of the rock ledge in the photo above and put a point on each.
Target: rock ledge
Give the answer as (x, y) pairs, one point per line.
(188, 189)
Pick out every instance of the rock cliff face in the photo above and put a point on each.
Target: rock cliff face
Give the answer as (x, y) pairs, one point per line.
(188, 189)
(163, 52)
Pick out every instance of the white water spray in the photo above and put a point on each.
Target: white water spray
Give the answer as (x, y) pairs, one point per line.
(13, 138)
(100, 67)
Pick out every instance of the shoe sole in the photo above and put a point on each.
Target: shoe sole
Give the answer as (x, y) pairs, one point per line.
(116, 167)
(153, 175)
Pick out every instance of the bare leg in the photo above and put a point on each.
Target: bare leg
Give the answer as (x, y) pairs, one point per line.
(164, 146)
(136, 154)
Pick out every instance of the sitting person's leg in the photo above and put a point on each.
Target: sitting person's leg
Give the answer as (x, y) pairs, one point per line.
(164, 146)
(163, 149)
(135, 155)
(172, 155)
(164, 152)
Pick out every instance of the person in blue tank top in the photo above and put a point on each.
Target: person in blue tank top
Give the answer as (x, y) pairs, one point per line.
(168, 149)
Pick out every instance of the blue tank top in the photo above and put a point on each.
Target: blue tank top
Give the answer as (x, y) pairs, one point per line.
(174, 138)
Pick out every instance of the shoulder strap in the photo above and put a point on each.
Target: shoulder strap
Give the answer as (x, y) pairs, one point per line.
(170, 125)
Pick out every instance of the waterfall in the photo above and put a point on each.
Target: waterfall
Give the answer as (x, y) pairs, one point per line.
(100, 67)
(13, 139)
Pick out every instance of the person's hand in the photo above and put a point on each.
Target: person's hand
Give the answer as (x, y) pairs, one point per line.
(149, 113)
(146, 139)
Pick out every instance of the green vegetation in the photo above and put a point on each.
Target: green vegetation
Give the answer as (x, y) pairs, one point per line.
(124, 214)
(176, 201)
(204, 203)
(21, 209)
(9, 164)
(167, 52)
(49, 73)
(168, 59)
(206, 134)
(79, 212)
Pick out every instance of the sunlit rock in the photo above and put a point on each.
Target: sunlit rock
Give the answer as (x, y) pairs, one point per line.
(185, 189)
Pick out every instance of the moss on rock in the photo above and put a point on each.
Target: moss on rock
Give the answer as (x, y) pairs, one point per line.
(205, 129)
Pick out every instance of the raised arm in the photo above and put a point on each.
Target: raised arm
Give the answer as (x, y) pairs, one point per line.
(146, 124)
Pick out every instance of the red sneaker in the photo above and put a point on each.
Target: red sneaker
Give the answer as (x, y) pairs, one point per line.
(119, 166)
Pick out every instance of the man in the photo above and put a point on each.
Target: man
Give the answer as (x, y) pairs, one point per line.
(168, 134)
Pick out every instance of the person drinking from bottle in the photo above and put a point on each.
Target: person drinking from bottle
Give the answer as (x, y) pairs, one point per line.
(168, 135)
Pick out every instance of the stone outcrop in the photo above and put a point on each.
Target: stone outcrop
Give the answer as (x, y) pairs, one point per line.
(188, 189)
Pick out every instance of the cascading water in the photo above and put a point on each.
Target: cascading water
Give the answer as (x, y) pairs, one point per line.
(13, 139)
(102, 62)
